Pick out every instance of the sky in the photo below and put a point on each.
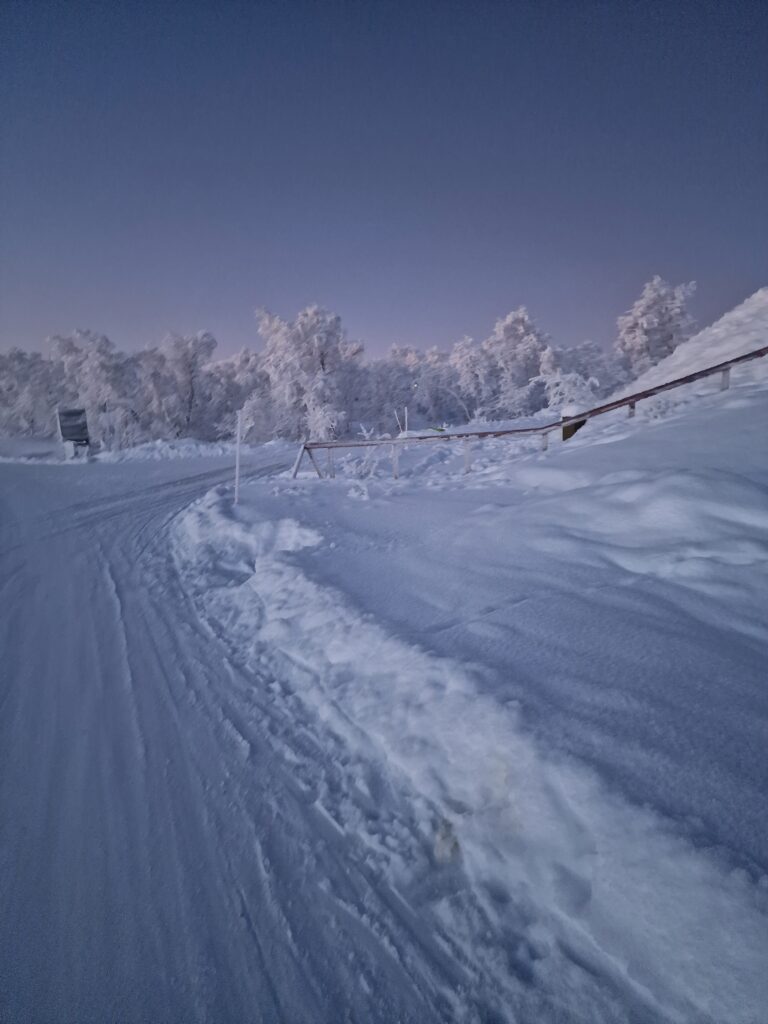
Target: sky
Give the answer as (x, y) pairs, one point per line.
(418, 168)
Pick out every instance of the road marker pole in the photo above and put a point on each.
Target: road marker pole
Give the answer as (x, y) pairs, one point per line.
(237, 454)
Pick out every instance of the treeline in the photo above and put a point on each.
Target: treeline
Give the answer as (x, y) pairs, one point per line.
(310, 380)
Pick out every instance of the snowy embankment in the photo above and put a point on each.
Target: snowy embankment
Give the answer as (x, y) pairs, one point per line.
(742, 330)
(558, 664)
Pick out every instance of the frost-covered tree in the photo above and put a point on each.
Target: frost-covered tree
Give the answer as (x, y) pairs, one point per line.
(258, 412)
(187, 403)
(27, 393)
(654, 326)
(474, 377)
(516, 346)
(152, 401)
(386, 385)
(313, 371)
(310, 380)
(91, 372)
(570, 391)
(586, 368)
(436, 395)
(501, 377)
(233, 383)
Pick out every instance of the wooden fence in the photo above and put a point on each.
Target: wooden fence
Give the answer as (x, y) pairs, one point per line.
(568, 425)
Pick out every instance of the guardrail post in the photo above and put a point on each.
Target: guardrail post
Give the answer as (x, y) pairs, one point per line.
(331, 469)
(297, 463)
(312, 460)
(630, 410)
(467, 457)
(544, 441)
(569, 429)
(725, 379)
(395, 466)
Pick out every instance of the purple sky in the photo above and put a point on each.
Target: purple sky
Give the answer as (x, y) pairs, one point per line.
(418, 168)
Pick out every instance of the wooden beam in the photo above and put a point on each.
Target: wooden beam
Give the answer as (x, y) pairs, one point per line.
(297, 463)
(312, 460)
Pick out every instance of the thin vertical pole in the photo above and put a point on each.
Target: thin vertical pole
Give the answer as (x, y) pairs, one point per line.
(237, 454)
(395, 467)
(406, 419)
(467, 457)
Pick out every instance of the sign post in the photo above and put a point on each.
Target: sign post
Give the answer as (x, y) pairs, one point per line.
(237, 454)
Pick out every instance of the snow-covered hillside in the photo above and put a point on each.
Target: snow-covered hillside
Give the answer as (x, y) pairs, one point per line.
(555, 670)
(742, 330)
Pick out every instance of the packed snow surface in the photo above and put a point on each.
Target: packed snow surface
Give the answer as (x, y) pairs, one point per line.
(486, 747)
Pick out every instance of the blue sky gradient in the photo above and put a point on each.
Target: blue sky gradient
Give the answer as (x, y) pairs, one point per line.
(418, 168)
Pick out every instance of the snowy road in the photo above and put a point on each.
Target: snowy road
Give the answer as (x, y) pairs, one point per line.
(163, 855)
(113, 855)
(138, 843)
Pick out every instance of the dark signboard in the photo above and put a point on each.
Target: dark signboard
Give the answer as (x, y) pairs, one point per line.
(74, 426)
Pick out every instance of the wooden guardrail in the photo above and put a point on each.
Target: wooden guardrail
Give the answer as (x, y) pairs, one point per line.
(569, 425)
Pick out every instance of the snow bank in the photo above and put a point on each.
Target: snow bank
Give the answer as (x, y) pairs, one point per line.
(557, 881)
(185, 448)
(12, 448)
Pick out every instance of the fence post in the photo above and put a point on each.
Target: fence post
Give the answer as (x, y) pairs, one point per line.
(725, 379)
(297, 463)
(312, 460)
(237, 454)
(569, 429)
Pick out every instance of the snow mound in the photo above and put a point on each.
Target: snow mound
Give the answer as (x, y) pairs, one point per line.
(182, 449)
(742, 330)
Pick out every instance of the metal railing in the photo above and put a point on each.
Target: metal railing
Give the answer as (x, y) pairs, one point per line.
(569, 425)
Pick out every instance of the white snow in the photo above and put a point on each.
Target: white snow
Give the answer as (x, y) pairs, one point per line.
(447, 748)
(561, 663)
(186, 448)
